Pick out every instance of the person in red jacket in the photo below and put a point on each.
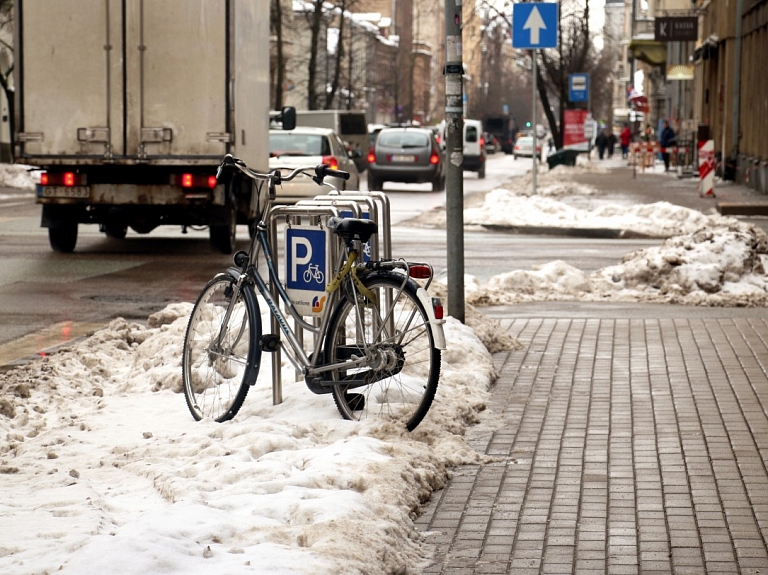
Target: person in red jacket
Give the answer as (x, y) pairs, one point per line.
(625, 137)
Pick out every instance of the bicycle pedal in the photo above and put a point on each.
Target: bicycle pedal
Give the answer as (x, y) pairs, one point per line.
(269, 342)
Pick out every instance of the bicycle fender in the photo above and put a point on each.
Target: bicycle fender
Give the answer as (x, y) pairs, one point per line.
(437, 324)
(426, 301)
(234, 273)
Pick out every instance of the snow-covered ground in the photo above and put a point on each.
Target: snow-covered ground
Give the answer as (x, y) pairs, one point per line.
(104, 470)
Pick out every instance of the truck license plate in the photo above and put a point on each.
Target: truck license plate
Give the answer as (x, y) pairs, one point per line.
(63, 192)
(403, 158)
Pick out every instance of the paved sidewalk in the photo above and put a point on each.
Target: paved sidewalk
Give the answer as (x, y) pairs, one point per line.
(622, 446)
(625, 439)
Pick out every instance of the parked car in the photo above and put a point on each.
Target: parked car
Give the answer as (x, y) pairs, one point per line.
(305, 146)
(491, 143)
(408, 155)
(524, 147)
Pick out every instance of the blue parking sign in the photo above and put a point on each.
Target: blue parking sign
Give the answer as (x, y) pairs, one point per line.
(306, 268)
(534, 25)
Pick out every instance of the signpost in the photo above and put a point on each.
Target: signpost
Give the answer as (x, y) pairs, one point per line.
(534, 26)
(306, 268)
(578, 87)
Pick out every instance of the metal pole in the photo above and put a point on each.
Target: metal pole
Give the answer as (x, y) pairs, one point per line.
(454, 158)
(533, 122)
(735, 128)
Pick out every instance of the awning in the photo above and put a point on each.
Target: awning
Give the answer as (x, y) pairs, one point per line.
(649, 51)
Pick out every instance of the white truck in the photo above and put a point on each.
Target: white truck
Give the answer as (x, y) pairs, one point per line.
(128, 106)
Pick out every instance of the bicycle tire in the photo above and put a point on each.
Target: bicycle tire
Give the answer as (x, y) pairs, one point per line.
(404, 385)
(215, 381)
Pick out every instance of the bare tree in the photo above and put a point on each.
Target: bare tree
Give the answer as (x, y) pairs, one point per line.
(276, 25)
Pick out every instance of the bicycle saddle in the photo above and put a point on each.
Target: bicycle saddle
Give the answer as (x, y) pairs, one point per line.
(349, 229)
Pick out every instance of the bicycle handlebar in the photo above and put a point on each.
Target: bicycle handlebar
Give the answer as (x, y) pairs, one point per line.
(321, 171)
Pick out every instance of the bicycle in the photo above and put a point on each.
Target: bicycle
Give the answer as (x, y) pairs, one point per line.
(379, 337)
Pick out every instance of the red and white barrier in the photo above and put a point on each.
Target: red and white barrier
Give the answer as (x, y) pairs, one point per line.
(707, 168)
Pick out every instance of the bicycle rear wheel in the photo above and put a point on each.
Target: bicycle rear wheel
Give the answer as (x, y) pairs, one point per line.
(220, 361)
(401, 377)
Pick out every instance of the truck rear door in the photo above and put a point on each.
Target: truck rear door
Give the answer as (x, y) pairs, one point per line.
(125, 80)
(68, 67)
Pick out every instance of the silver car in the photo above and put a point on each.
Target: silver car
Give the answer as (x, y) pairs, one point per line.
(305, 146)
(524, 147)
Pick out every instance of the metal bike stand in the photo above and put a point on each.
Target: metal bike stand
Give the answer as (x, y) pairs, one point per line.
(383, 222)
(274, 214)
(325, 206)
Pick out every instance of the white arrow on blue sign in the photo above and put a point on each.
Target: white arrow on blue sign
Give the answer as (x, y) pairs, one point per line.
(534, 25)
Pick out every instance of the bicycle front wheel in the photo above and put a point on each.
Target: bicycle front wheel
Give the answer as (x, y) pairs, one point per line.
(221, 355)
(400, 377)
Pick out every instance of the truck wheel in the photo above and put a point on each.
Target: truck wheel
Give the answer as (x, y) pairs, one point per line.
(223, 237)
(63, 237)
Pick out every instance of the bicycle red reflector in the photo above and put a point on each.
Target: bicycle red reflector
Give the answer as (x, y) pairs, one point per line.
(419, 272)
(331, 162)
(434, 158)
(437, 305)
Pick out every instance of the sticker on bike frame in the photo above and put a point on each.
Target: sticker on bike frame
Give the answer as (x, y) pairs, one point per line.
(307, 268)
(367, 245)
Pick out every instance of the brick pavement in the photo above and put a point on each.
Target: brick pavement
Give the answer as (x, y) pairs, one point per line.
(622, 445)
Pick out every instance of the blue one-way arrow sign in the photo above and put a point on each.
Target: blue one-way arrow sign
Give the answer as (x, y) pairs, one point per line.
(534, 25)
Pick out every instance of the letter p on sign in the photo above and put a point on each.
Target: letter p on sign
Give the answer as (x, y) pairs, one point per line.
(301, 255)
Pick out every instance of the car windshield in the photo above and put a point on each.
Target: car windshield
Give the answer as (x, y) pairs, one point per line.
(288, 144)
(404, 139)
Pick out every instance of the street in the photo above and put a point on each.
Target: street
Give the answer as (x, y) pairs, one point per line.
(48, 298)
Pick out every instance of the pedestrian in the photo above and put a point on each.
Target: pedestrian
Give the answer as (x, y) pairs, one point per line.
(611, 143)
(625, 137)
(601, 142)
(666, 140)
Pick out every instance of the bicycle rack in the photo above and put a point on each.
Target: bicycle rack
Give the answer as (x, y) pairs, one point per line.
(313, 211)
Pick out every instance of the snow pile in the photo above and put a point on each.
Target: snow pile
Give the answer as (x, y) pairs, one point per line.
(718, 265)
(18, 176)
(661, 219)
(103, 462)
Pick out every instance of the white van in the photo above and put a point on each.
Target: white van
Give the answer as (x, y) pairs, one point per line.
(473, 147)
(350, 125)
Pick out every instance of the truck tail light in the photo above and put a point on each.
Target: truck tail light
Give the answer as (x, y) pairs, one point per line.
(68, 179)
(331, 161)
(434, 159)
(195, 181)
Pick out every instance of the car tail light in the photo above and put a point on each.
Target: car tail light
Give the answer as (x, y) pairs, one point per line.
(68, 179)
(331, 162)
(195, 181)
(434, 159)
(371, 156)
(482, 143)
(419, 272)
(437, 305)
